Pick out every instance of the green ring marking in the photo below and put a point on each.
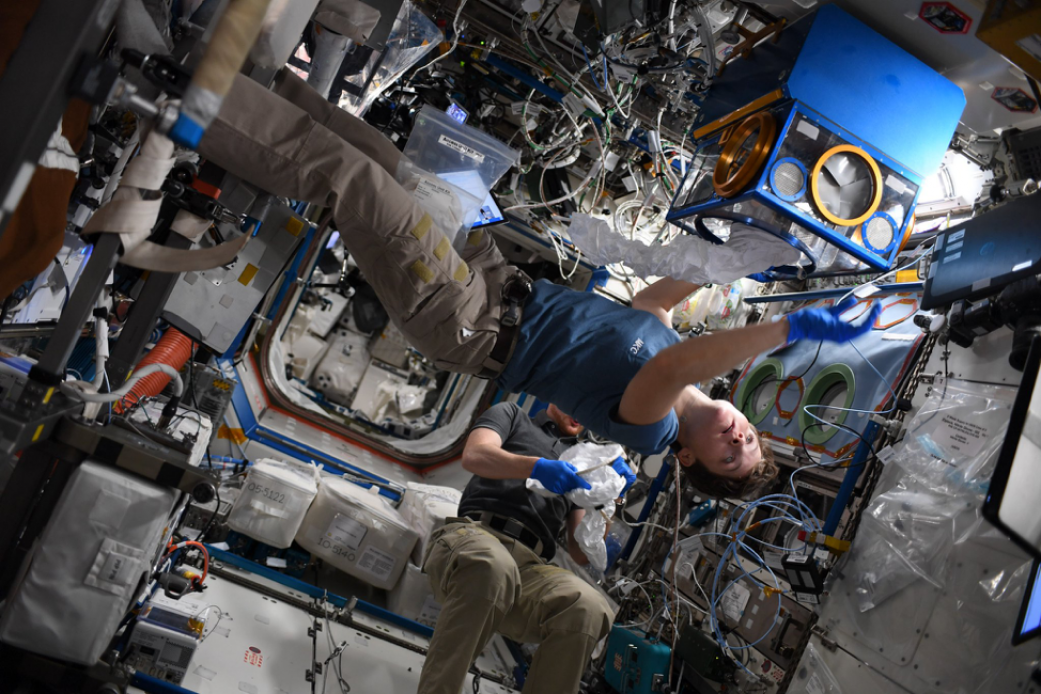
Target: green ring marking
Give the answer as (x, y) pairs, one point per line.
(768, 368)
(826, 379)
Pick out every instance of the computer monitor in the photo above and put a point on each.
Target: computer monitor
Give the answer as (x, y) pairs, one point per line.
(1028, 625)
(979, 257)
(471, 182)
(1015, 488)
(490, 214)
(457, 112)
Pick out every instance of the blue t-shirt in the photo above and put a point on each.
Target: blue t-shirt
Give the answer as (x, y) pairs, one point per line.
(579, 351)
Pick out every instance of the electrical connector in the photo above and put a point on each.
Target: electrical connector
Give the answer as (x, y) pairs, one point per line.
(654, 141)
(832, 544)
(592, 105)
(575, 106)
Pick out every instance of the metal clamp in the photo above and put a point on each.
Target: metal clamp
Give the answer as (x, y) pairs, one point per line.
(515, 292)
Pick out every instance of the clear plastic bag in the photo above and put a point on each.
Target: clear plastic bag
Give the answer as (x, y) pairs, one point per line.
(606, 485)
(905, 534)
(452, 208)
(412, 37)
(940, 473)
(953, 442)
(813, 676)
(450, 167)
(443, 145)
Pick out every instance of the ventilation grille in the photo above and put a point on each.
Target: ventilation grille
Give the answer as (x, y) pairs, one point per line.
(788, 179)
(879, 233)
(1026, 153)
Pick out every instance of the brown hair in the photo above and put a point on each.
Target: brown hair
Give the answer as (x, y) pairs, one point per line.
(748, 488)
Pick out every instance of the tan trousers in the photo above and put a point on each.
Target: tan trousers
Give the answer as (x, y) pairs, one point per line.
(487, 582)
(293, 143)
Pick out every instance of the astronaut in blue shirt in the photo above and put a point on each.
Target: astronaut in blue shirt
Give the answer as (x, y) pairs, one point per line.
(620, 371)
(626, 374)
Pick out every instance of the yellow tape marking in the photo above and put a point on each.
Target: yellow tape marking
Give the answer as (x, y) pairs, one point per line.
(248, 274)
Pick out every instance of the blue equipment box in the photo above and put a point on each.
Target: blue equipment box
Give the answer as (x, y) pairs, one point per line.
(853, 76)
(812, 164)
(635, 664)
(822, 139)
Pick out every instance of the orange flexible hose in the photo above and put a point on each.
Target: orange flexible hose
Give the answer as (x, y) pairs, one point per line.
(205, 558)
(174, 348)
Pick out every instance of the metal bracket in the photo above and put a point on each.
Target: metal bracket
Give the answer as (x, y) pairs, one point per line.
(129, 450)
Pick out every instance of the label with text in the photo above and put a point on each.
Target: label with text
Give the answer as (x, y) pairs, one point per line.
(377, 563)
(461, 148)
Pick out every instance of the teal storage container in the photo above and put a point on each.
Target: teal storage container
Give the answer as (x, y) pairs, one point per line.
(635, 664)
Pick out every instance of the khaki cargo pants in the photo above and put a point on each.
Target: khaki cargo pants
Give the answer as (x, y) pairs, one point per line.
(487, 582)
(293, 143)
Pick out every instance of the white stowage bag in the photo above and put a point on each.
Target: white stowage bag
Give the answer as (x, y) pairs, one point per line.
(274, 499)
(606, 485)
(425, 508)
(687, 257)
(358, 532)
(413, 597)
(89, 566)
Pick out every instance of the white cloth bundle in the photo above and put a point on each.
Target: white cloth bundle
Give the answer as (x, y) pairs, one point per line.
(687, 257)
(606, 485)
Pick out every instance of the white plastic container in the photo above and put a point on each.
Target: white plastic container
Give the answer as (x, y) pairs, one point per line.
(412, 597)
(90, 564)
(358, 532)
(274, 500)
(425, 508)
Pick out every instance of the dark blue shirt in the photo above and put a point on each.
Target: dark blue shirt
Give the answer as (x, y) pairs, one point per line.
(579, 351)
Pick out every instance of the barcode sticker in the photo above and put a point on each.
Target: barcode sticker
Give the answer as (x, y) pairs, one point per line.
(734, 601)
(461, 148)
(430, 611)
(896, 184)
(807, 129)
(866, 290)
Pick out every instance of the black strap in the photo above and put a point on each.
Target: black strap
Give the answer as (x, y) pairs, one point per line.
(515, 294)
(504, 343)
(501, 523)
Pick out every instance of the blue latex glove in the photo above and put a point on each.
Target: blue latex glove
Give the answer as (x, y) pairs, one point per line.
(625, 471)
(557, 476)
(825, 324)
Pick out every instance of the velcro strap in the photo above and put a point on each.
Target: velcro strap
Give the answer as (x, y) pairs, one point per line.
(421, 229)
(190, 226)
(125, 217)
(151, 256)
(149, 169)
